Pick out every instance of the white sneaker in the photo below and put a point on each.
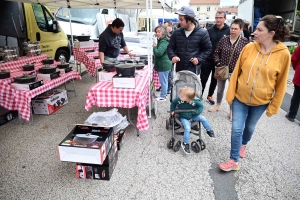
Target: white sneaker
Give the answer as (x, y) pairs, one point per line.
(160, 99)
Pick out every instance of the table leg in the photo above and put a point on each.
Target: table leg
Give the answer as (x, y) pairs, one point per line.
(128, 118)
(74, 87)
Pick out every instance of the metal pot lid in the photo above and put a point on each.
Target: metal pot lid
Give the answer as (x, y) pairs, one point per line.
(88, 136)
(2, 71)
(139, 64)
(126, 65)
(25, 77)
(28, 65)
(48, 67)
(109, 62)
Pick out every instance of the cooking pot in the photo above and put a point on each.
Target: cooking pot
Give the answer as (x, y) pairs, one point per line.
(125, 70)
(63, 65)
(110, 66)
(25, 78)
(145, 61)
(4, 74)
(139, 65)
(85, 138)
(28, 67)
(47, 69)
(81, 38)
(89, 51)
(48, 61)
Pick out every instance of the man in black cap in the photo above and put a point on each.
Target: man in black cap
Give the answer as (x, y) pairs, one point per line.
(190, 44)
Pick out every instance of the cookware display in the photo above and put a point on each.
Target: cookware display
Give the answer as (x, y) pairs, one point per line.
(4, 74)
(110, 66)
(32, 48)
(28, 67)
(48, 61)
(63, 65)
(8, 53)
(82, 38)
(125, 70)
(47, 69)
(89, 51)
(139, 65)
(26, 78)
(85, 138)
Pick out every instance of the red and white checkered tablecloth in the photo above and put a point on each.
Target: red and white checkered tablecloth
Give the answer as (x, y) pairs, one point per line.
(156, 79)
(103, 94)
(79, 52)
(14, 66)
(20, 99)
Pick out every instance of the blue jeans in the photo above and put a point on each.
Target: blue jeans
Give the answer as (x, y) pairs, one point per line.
(187, 126)
(163, 79)
(107, 58)
(244, 120)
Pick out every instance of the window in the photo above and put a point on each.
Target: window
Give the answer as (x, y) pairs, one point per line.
(208, 8)
(42, 17)
(78, 15)
(198, 8)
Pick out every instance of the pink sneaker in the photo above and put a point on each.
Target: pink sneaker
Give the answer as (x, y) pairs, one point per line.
(243, 151)
(229, 166)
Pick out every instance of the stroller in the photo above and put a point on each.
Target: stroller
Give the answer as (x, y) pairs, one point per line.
(183, 79)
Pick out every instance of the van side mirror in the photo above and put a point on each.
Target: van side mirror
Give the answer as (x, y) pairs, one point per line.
(55, 27)
(104, 11)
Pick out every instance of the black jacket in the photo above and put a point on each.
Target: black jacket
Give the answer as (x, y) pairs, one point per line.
(196, 45)
(109, 42)
(215, 35)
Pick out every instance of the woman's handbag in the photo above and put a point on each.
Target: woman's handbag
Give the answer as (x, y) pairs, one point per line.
(222, 72)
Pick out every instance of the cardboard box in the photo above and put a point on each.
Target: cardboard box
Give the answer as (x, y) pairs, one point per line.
(124, 82)
(100, 172)
(89, 43)
(7, 115)
(80, 148)
(105, 76)
(48, 103)
(119, 138)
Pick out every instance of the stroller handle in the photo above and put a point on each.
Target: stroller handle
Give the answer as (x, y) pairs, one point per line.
(181, 111)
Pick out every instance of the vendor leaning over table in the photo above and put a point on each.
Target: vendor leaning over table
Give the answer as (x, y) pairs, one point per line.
(110, 41)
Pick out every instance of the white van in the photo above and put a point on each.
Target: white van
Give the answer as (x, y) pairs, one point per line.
(84, 21)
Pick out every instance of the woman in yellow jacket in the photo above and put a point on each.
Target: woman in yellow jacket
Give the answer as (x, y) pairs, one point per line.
(257, 84)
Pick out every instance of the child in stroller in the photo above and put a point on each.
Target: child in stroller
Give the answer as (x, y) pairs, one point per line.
(190, 108)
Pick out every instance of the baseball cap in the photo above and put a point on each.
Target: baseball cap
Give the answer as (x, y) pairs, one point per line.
(186, 11)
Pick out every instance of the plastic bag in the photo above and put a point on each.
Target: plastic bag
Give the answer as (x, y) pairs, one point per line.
(105, 119)
(122, 125)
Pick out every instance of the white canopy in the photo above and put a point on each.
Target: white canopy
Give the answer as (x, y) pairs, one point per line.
(129, 4)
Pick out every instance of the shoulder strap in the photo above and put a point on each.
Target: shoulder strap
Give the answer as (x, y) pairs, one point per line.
(234, 49)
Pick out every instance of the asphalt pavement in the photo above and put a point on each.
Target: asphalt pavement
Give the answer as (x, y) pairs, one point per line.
(146, 168)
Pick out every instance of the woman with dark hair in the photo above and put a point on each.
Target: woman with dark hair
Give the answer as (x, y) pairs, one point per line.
(227, 53)
(246, 30)
(257, 84)
(162, 63)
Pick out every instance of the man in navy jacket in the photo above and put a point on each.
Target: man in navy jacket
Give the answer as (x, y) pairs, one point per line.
(190, 44)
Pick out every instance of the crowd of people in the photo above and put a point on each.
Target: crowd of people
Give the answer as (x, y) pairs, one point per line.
(258, 70)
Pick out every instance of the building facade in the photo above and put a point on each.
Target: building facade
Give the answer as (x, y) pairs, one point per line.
(205, 9)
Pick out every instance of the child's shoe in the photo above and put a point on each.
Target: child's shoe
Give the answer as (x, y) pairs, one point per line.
(186, 148)
(229, 166)
(210, 133)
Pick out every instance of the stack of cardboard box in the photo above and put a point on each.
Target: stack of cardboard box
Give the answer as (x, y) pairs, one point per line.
(93, 149)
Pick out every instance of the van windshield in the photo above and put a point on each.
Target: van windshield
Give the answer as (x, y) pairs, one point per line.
(82, 16)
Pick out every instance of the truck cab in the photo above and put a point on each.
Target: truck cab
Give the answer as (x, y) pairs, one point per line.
(32, 22)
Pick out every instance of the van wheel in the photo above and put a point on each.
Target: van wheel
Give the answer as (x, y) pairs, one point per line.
(62, 56)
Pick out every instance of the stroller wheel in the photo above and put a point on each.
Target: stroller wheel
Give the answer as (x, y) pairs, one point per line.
(167, 124)
(177, 146)
(171, 143)
(195, 147)
(202, 144)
